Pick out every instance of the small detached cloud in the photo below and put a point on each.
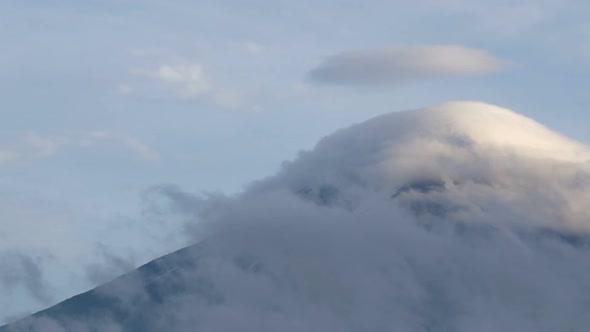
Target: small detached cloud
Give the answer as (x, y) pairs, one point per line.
(8, 156)
(141, 149)
(20, 269)
(187, 80)
(125, 89)
(253, 48)
(189, 76)
(227, 100)
(402, 64)
(179, 78)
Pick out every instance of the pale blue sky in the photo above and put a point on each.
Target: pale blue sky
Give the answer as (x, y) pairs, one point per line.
(103, 99)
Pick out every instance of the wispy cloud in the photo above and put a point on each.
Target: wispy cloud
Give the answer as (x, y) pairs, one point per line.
(35, 145)
(141, 149)
(125, 89)
(227, 100)
(7, 155)
(175, 77)
(253, 48)
(401, 64)
(187, 80)
(21, 270)
(45, 146)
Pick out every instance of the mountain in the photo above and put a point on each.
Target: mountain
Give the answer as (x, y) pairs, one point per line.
(459, 217)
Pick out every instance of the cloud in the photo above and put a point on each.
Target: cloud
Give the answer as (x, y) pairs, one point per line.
(179, 73)
(188, 79)
(48, 146)
(45, 146)
(125, 89)
(33, 145)
(227, 100)
(7, 155)
(185, 80)
(21, 272)
(253, 48)
(403, 64)
(64, 255)
(441, 219)
(112, 266)
(141, 149)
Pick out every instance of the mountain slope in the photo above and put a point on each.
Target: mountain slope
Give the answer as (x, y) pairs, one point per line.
(105, 308)
(460, 217)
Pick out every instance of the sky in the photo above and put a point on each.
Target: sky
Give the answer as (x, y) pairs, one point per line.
(103, 100)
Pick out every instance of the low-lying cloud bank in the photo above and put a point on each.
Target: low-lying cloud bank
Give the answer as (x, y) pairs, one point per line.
(461, 217)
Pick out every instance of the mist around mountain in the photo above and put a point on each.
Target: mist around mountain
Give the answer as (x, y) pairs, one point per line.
(459, 217)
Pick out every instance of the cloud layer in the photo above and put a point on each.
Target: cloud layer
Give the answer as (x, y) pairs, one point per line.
(461, 217)
(402, 64)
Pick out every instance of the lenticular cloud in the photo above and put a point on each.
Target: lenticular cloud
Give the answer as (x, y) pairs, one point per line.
(460, 217)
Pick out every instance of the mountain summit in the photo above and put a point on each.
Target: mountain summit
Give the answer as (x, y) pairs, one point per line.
(459, 217)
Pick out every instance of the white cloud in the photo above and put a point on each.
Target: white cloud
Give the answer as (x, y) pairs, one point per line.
(49, 146)
(7, 155)
(187, 79)
(179, 73)
(227, 100)
(179, 78)
(125, 89)
(401, 64)
(141, 149)
(45, 146)
(253, 48)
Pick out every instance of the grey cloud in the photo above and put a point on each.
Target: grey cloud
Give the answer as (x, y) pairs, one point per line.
(113, 265)
(51, 325)
(402, 64)
(19, 270)
(288, 264)
(163, 206)
(416, 221)
(164, 199)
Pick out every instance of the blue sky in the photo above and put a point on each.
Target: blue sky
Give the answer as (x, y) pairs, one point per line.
(101, 100)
